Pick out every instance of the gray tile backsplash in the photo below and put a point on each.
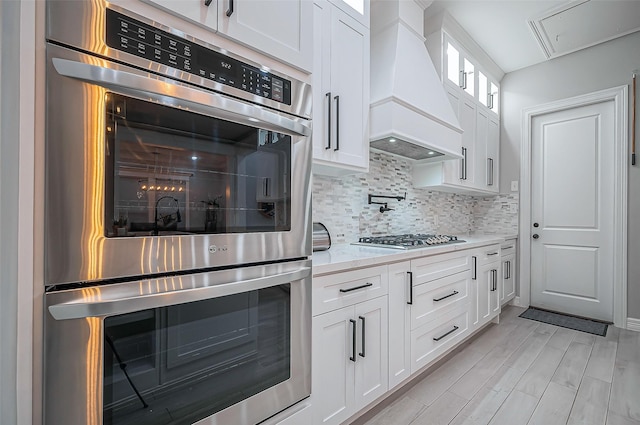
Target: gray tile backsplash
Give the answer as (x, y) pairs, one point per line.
(341, 205)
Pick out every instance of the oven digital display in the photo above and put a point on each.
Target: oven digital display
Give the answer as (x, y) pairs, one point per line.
(129, 35)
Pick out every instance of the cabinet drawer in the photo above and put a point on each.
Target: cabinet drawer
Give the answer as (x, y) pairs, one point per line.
(487, 254)
(435, 267)
(431, 300)
(339, 290)
(508, 247)
(433, 339)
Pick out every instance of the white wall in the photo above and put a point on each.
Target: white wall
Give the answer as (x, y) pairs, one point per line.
(603, 66)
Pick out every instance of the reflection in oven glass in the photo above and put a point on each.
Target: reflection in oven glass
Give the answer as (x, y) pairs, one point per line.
(179, 364)
(169, 171)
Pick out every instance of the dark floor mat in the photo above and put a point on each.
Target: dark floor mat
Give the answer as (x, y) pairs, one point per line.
(562, 320)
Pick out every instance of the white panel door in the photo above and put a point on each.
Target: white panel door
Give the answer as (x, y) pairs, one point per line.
(400, 302)
(350, 90)
(572, 210)
(332, 377)
(372, 359)
(194, 10)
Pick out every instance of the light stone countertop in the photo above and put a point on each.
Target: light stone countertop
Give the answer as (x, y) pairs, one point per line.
(342, 257)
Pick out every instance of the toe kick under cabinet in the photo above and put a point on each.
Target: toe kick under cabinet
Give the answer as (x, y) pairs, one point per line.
(375, 327)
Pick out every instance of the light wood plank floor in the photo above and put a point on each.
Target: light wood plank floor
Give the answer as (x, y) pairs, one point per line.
(526, 372)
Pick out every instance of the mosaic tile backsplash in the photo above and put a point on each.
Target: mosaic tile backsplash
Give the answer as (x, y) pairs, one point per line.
(341, 205)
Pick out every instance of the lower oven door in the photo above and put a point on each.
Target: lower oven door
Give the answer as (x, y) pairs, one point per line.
(224, 347)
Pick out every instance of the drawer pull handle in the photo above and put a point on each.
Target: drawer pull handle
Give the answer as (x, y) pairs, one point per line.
(474, 260)
(361, 354)
(366, 285)
(353, 341)
(455, 328)
(446, 296)
(410, 302)
(508, 247)
(492, 253)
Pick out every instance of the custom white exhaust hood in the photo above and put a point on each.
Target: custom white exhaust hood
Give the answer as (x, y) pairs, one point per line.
(410, 113)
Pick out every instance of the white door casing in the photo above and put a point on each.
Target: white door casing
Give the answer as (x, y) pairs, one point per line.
(578, 195)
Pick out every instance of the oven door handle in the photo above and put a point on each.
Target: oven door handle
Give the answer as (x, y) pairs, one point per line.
(81, 309)
(172, 93)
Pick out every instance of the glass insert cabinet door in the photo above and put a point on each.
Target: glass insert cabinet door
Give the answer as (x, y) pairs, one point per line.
(170, 171)
(183, 363)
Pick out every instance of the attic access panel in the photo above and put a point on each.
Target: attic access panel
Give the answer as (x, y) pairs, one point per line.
(580, 24)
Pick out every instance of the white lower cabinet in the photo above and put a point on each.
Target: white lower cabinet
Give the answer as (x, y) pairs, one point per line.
(487, 285)
(350, 359)
(375, 327)
(508, 287)
(400, 302)
(433, 339)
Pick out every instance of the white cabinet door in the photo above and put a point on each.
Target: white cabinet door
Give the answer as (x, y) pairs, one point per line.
(508, 290)
(372, 364)
(197, 11)
(333, 366)
(350, 89)
(400, 301)
(322, 99)
(280, 28)
(482, 130)
(488, 291)
(494, 290)
(493, 153)
(341, 92)
(484, 292)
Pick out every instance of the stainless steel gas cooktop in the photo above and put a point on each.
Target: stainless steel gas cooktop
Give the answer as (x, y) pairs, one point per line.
(407, 241)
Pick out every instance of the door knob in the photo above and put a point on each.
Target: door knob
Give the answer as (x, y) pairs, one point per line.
(536, 225)
(535, 236)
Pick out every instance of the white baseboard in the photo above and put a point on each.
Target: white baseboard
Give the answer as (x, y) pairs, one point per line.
(516, 302)
(633, 324)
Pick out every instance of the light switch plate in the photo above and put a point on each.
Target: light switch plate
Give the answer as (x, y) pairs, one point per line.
(514, 185)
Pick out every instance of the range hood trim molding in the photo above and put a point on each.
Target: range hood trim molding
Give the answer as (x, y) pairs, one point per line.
(387, 118)
(408, 105)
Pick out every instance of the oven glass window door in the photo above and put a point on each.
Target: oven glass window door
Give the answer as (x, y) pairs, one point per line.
(183, 363)
(169, 171)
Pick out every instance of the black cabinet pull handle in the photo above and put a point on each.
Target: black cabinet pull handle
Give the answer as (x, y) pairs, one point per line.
(493, 253)
(366, 285)
(230, 9)
(410, 302)
(328, 96)
(474, 260)
(207, 2)
(353, 341)
(463, 164)
(509, 269)
(446, 296)
(337, 99)
(361, 354)
(455, 328)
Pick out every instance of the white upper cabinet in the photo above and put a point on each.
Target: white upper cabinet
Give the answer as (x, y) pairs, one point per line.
(201, 12)
(474, 96)
(462, 71)
(340, 92)
(279, 28)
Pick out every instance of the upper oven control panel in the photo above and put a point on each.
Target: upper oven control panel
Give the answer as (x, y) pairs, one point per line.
(129, 35)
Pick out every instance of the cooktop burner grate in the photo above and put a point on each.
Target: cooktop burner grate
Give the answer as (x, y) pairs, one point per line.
(407, 241)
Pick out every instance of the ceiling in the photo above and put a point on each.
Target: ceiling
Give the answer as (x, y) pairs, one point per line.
(521, 33)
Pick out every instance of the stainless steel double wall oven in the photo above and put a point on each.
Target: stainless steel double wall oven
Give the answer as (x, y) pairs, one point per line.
(178, 227)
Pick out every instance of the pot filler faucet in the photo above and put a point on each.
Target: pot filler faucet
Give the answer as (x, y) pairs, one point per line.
(384, 206)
